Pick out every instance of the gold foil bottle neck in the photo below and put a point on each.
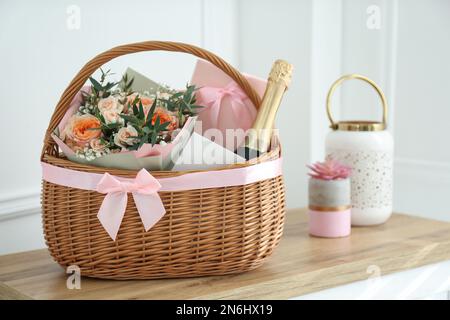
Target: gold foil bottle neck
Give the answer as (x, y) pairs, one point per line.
(258, 140)
(281, 72)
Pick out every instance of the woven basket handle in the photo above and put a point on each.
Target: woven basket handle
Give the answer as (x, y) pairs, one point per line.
(90, 67)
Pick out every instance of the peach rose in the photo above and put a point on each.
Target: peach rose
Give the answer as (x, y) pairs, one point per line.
(147, 102)
(82, 129)
(126, 136)
(165, 116)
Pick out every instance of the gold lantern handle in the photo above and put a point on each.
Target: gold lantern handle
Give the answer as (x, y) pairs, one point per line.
(357, 125)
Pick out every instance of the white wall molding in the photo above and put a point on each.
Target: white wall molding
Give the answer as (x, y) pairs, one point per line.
(326, 60)
(19, 204)
(389, 58)
(437, 171)
(422, 188)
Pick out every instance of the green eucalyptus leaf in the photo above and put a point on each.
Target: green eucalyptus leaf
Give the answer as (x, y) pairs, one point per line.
(135, 110)
(177, 95)
(144, 139)
(130, 118)
(150, 114)
(141, 111)
(136, 99)
(164, 126)
(186, 106)
(109, 85)
(157, 123)
(113, 126)
(153, 107)
(153, 138)
(96, 84)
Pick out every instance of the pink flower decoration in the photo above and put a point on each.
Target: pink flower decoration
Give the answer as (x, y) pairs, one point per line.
(329, 170)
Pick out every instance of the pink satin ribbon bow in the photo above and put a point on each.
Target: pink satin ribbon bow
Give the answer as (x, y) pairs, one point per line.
(212, 97)
(144, 189)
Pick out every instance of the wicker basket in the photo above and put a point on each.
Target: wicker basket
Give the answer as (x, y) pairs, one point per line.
(212, 231)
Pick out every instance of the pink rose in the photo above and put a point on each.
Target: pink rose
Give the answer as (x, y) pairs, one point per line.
(110, 104)
(110, 108)
(112, 117)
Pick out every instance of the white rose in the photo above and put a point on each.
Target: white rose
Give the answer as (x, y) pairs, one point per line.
(126, 136)
(110, 104)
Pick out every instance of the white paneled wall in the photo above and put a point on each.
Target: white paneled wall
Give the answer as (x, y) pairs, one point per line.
(408, 56)
(406, 51)
(43, 47)
(326, 64)
(422, 109)
(270, 30)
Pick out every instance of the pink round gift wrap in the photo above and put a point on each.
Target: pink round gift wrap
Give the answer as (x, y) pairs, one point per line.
(226, 106)
(329, 224)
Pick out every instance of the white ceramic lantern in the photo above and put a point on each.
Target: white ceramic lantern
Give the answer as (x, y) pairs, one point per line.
(367, 147)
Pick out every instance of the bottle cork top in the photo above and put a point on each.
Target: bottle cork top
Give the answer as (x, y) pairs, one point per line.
(281, 71)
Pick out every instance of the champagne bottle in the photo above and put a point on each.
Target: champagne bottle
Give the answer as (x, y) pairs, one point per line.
(257, 140)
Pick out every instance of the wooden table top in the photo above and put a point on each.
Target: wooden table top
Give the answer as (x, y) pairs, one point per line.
(301, 264)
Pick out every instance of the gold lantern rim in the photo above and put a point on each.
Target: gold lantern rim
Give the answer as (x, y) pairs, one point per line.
(357, 125)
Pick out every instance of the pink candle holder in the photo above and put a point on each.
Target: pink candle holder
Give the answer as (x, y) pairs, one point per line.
(329, 200)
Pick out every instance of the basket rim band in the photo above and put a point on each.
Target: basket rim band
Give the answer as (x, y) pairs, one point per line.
(190, 181)
(145, 188)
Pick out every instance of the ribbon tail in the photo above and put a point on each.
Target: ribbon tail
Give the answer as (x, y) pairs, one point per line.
(240, 113)
(112, 211)
(215, 111)
(150, 208)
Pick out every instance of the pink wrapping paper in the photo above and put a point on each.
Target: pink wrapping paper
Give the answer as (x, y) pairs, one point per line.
(147, 150)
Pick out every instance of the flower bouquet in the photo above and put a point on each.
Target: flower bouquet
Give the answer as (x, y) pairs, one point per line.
(110, 124)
